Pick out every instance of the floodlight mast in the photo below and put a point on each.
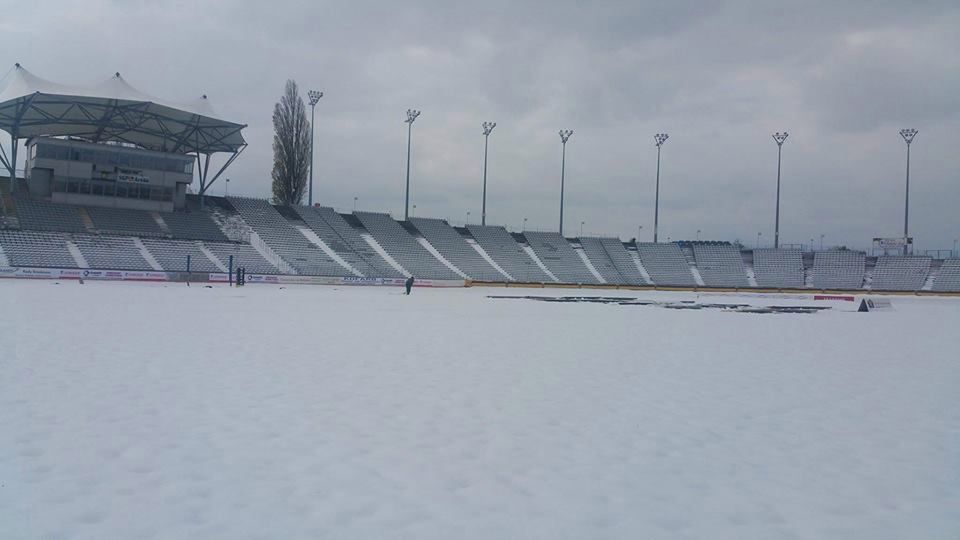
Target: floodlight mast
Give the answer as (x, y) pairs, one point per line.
(487, 129)
(779, 138)
(412, 115)
(564, 137)
(659, 138)
(314, 97)
(908, 135)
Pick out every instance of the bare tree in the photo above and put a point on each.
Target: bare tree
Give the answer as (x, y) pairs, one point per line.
(291, 147)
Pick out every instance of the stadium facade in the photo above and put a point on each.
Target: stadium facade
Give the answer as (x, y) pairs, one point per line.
(105, 195)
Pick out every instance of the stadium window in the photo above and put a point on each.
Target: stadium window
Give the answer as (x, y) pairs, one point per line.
(60, 185)
(145, 193)
(97, 188)
(121, 190)
(109, 189)
(71, 186)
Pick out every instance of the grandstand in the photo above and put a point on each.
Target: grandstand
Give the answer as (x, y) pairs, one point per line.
(195, 225)
(403, 247)
(666, 264)
(900, 273)
(285, 240)
(595, 251)
(948, 280)
(454, 248)
(38, 215)
(720, 265)
(507, 253)
(171, 255)
(111, 252)
(778, 268)
(559, 257)
(838, 269)
(124, 221)
(36, 249)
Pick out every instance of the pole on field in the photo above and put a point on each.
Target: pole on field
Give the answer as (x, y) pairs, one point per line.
(230, 271)
(314, 97)
(412, 115)
(908, 135)
(487, 129)
(660, 138)
(564, 136)
(780, 138)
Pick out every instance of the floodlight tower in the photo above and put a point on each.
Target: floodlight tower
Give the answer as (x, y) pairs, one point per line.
(779, 138)
(660, 138)
(412, 115)
(487, 129)
(314, 96)
(564, 136)
(908, 135)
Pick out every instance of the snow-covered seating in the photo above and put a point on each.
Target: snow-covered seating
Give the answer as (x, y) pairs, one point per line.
(900, 273)
(285, 240)
(838, 269)
(124, 221)
(171, 255)
(558, 256)
(342, 238)
(720, 265)
(778, 268)
(595, 251)
(455, 249)
(666, 264)
(243, 255)
(110, 252)
(194, 225)
(403, 247)
(507, 253)
(38, 215)
(31, 248)
(948, 280)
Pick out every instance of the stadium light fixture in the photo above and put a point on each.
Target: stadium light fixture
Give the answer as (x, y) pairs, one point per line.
(564, 137)
(226, 187)
(314, 96)
(524, 226)
(487, 129)
(759, 234)
(355, 204)
(412, 115)
(908, 135)
(581, 228)
(660, 138)
(780, 138)
(821, 241)
(698, 235)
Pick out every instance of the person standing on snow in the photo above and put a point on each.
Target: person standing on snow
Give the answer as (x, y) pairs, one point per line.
(408, 284)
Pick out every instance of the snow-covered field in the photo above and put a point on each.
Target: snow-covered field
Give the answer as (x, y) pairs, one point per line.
(161, 411)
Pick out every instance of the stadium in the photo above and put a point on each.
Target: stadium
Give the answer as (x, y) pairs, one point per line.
(105, 196)
(533, 385)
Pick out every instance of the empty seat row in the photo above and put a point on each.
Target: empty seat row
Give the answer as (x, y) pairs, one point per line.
(949, 277)
(285, 240)
(507, 253)
(720, 265)
(900, 273)
(666, 264)
(556, 253)
(838, 269)
(124, 221)
(778, 268)
(454, 247)
(403, 247)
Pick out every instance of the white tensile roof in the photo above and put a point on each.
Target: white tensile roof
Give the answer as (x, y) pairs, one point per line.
(112, 111)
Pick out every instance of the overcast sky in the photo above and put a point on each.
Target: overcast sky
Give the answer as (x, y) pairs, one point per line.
(841, 77)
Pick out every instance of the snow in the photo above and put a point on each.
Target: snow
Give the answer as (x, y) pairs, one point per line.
(162, 411)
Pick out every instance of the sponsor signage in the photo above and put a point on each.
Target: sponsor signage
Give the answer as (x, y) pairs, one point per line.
(133, 177)
(892, 243)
